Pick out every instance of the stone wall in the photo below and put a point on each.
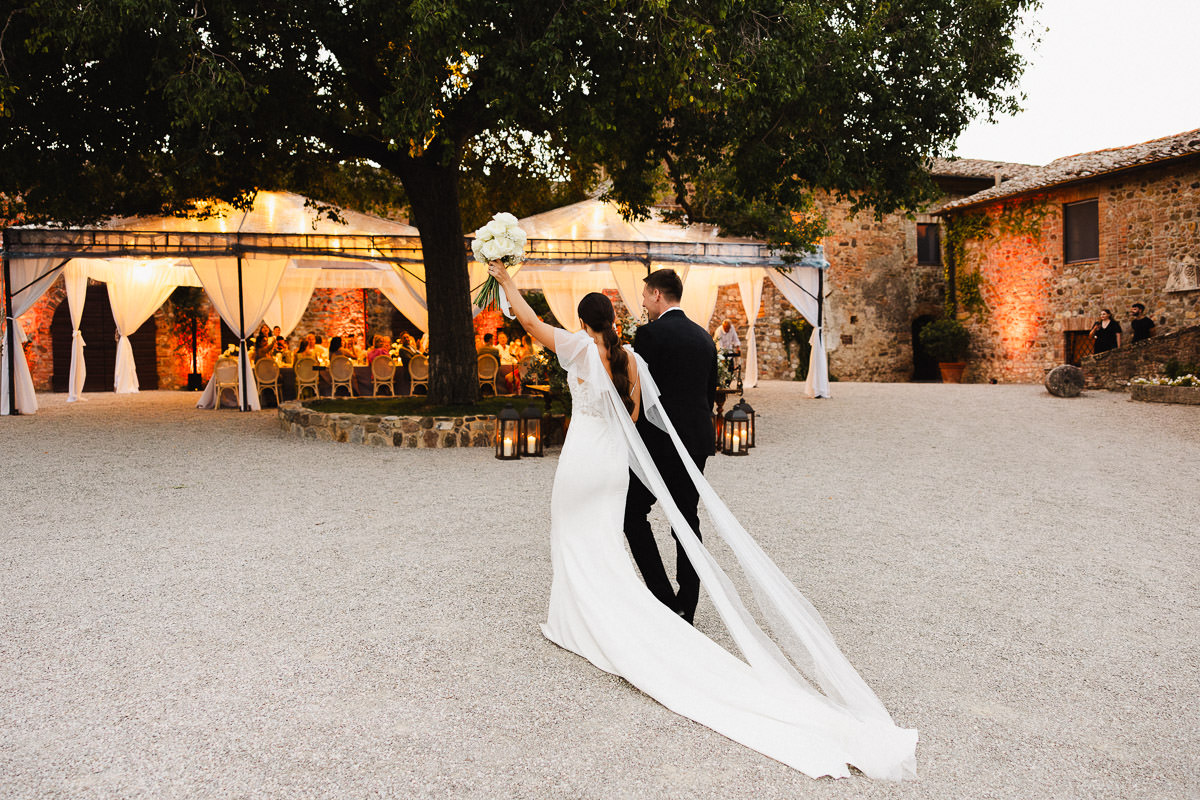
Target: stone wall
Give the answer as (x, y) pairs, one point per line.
(1114, 368)
(874, 292)
(333, 312)
(387, 431)
(1148, 230)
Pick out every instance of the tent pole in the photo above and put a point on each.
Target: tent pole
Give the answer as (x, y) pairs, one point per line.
(9, 327)
(242, 329)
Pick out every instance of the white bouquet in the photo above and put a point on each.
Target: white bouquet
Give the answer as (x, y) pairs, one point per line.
(501, 239)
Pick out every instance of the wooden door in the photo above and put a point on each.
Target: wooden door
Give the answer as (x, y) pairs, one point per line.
(100, 335)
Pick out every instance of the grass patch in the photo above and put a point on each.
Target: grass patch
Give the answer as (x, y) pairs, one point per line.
(416, 406)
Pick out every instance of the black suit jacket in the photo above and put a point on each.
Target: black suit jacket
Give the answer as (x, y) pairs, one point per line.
(683, 362)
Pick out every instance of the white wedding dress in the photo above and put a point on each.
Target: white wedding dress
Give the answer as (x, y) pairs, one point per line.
(601, 609)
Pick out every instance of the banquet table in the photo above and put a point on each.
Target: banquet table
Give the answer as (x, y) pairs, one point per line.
(287, 386)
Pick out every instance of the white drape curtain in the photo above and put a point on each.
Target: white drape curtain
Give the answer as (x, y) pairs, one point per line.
(401, 290)
(24, 271)
(750, 285)
(800, 286)
(564, 290)
(259, 283)
(76, 278)
(288, 305)
(630, 279)
(136, 289)
(700, 295)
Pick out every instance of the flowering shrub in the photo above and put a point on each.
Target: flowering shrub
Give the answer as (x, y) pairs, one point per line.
(1182, 380)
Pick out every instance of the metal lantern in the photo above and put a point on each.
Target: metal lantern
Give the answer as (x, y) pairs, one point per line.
(744, 406)
(508, 434)
(737, 429)
(719, 429)
(531, 432)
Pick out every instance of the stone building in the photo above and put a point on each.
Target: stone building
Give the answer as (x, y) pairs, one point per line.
(1042, 254)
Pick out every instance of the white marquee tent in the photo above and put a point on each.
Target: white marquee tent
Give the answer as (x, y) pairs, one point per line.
(264, 263)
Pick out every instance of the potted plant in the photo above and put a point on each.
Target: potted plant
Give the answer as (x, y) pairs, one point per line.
(947, 340)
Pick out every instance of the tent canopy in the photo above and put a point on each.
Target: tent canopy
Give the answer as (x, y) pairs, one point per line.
(293, 248)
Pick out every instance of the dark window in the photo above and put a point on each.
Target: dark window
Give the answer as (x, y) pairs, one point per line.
(929, 244)
(1081, 231)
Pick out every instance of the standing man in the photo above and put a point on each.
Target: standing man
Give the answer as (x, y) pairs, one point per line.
(683, 362)
(1142, 326)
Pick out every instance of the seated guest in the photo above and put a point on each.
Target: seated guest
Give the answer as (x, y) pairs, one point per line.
(423, 345)
(263, 348)
(336, 348)
(488, 346)
(380, 346)
(305, 350)
(321, 348)
(350, 347)
(283, 353)
(408, 344)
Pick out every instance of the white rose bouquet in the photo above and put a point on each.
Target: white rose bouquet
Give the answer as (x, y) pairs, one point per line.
(501, 239)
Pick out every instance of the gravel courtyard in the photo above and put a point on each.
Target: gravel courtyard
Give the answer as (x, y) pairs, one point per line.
(195, 605)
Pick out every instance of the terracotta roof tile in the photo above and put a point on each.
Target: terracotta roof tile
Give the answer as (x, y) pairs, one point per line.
(1087, 165)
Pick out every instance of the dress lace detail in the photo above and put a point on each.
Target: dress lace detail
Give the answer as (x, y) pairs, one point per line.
(586, 400)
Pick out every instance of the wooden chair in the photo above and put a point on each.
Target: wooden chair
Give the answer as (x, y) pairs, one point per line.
(383, 372)
(266, 374)
(489, 365)
(418, 373)
(225, 376)
(341, 373)
(307, 377)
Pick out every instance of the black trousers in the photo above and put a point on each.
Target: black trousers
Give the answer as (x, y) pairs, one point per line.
(638, 502)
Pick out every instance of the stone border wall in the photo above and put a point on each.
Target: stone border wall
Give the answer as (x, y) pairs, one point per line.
(300, 421)
(1113, 369)
(1149, 393)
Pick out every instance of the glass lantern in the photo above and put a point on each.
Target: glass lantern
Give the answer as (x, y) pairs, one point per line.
(531, 432)
(744, 406)
(737, 429)
(508, 434)
(718, 420)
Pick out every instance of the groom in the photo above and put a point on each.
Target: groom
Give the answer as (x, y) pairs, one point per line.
(683, 362)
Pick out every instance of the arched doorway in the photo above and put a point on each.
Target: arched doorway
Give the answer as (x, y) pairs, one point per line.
(100, 335)
(925, 367)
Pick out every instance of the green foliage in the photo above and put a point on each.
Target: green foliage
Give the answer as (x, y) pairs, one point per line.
(946, 339)
(1020, 218)
(190, 317)
(797, 332)
(1174, 368)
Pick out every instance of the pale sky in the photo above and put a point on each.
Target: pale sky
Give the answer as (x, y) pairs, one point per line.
(1107, 73)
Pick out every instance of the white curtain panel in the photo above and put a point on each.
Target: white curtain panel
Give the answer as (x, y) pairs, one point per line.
(800, 286)
(750, 285)
(700, 294)
(24, 271)
(76, 278)
(630, 279)
(400, 291)
(259, 283)
(289, 304)
(564, 290)
(136, 289)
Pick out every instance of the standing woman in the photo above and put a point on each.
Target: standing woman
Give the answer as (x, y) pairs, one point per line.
(1106, 333)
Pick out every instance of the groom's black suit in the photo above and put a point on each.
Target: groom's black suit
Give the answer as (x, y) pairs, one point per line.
(683, 362)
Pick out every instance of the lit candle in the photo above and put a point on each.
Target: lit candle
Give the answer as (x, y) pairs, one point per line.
(737, 440)
(508, 446)
(530, 444)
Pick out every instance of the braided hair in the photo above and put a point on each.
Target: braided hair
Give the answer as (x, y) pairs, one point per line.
(596, 311)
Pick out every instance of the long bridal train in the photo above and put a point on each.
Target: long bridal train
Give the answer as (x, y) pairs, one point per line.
(769, 699)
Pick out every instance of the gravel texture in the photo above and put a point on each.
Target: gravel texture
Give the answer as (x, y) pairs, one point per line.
(195, 605)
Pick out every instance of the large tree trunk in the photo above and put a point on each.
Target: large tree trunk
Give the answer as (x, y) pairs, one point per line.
(432, 189)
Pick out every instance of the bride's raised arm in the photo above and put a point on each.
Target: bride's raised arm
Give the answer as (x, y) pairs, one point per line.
(534, 326)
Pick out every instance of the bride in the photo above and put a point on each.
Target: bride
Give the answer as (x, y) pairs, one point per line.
(601, 610)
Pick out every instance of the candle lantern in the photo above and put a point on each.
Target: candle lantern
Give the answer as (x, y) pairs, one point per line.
(719, 429)
(744, 406)
(531, 431)
(737, 425)
(508, 434)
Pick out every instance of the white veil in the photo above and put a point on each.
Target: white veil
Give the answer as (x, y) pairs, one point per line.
(796, 626)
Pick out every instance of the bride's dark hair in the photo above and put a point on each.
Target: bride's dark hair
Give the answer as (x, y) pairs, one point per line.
(596, 311)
